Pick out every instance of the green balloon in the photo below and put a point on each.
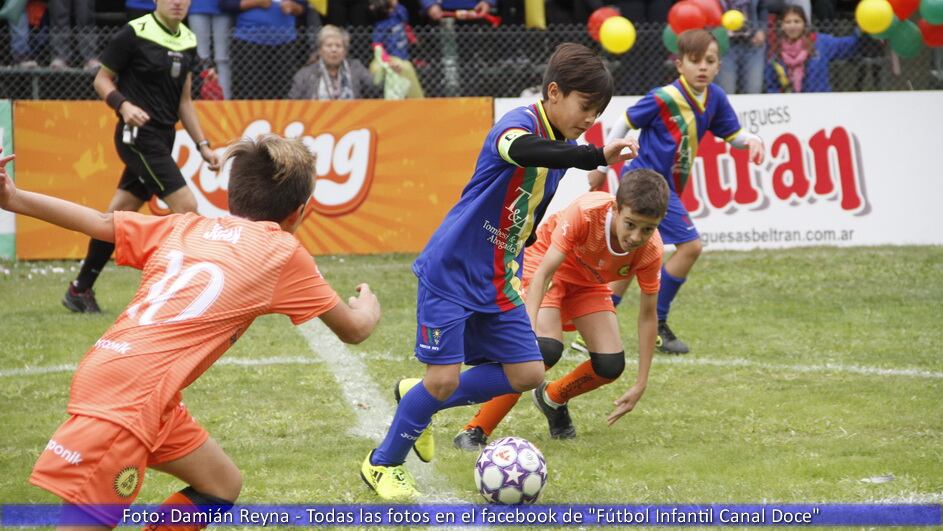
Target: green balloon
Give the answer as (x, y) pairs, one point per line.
(670, 40)
(889, 32)
(907, 40)
(932, 11)
(723, 40)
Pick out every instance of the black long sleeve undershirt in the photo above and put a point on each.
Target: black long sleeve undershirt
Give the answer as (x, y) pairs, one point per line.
(535, 151)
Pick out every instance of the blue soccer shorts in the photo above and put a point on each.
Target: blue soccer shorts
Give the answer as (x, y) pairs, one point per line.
(448, 333)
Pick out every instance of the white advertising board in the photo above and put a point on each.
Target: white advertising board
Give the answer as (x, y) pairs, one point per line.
(840, 169)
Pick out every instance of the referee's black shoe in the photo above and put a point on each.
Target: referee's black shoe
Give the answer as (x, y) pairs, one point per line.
(80, 301)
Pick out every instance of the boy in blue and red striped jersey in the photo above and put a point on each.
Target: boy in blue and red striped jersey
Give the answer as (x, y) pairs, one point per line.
(470, 308)
(673, 119)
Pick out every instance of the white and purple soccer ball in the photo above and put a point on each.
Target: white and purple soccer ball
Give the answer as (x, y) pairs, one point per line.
(511, 471)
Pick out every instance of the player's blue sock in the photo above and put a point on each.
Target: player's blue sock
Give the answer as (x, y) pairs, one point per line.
(670, 285)
(412, 416)
(616, 299)
(479, 384)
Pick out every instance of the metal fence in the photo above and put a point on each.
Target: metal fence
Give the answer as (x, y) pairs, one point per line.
(465, 60)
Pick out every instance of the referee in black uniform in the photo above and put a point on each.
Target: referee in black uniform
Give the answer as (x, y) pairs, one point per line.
(145, 77)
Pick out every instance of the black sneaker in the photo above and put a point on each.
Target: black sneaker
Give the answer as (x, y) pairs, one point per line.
(668, 342)
(80, 301)
(472, 440)
(561, 425)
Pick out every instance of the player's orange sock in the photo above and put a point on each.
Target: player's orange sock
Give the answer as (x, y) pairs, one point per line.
(582, 379)
(191, 502)
(493, 412)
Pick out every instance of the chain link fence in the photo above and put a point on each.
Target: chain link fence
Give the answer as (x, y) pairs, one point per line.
(457, 59)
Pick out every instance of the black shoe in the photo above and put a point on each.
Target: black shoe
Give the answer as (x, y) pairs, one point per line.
(472, 440)
(668, 342)
(561, 425)
(80, 301)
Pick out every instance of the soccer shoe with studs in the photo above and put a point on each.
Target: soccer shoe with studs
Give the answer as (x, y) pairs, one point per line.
(80, 301)
(471, 440)
(392, 483)
(558, 419)
(425, 443)
(579, 344)
(668, 342)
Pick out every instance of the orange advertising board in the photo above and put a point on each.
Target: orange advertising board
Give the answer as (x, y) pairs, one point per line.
(387, 171)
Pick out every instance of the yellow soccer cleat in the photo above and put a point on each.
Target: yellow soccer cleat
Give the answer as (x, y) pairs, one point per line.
(425, 443)
(391, 483)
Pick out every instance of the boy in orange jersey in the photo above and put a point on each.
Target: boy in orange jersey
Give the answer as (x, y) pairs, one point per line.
(203, 282)
(597, 239)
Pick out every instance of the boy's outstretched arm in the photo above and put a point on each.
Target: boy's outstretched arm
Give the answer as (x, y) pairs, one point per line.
(526, 149)
(53, 210)
(647, 332)
(354, 322)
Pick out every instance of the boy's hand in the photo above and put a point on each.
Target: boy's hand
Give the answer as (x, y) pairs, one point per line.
(625, 403)
(7, 188)
(613, 150)
(757, 151)
(595, 178)
(366, 302)
(133, 115)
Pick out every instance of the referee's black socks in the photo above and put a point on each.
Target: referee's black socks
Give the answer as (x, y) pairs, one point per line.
(98, 254)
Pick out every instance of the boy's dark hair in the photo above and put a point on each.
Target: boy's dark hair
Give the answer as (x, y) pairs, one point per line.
(694, 43)
(645, 192)
(576, 67)
(270, 177)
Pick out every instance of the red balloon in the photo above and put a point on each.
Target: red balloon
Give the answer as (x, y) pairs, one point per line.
(686, 15)
(932, 35)
(597, 18)
(904, 8)
(712, 11)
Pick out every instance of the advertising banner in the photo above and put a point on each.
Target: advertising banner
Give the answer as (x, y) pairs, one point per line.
(840, 169)
(387, 171)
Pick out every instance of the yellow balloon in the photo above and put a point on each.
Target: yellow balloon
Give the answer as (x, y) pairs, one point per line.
(617, 35)
(874, 16)
(732, 20)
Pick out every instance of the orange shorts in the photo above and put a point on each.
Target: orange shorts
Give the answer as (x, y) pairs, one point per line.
(90, 461)
(574, 301)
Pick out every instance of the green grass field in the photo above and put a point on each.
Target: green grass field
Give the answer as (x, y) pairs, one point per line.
(812, 370)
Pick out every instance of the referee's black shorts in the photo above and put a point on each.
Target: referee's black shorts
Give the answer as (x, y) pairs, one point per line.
(149, 167)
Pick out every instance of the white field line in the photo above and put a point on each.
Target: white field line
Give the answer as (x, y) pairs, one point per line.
(373, 405)
(827, 367)
(386, 356)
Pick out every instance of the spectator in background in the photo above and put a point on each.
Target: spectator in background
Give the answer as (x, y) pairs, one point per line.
(800, 57)
(329, 74)
(434, 9)
(347, 13)
(212, 27)
(265, 49)
(61, 14)
(392, 33)
(22, 50)
(741, 70)
(137, 8)
(644, 10)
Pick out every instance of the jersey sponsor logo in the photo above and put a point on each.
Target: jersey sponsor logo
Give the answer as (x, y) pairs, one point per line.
(219, 234)
(72, 457)
(344, 167)
(126, 481)
(624, 271)
(121, 347)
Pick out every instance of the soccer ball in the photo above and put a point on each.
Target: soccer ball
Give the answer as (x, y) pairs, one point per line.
(511, 471)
